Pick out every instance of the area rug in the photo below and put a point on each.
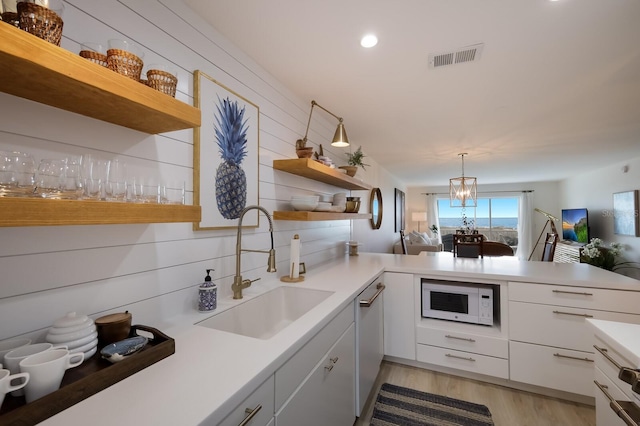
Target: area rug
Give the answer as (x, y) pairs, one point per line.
(397, 405)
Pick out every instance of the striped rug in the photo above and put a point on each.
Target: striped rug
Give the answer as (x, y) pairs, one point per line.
(396, 405)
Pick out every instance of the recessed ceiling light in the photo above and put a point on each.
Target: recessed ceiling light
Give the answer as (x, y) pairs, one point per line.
(369, 41)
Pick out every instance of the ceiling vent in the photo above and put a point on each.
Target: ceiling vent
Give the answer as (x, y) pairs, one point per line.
(464, 54)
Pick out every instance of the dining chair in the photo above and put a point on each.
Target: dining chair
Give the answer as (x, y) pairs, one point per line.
(403, 242)
(468, 245)
(549, 247)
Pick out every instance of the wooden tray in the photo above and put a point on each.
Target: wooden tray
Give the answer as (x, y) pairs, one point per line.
(92, 376)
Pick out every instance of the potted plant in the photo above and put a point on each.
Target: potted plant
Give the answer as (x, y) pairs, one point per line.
(354, 160)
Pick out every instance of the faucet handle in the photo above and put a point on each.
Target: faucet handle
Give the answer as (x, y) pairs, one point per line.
(251, 281)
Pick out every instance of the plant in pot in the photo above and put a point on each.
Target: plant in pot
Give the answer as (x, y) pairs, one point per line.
(354, 160)
(302, 149)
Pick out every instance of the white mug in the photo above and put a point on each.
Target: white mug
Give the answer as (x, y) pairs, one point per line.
(46, 370)
(5, 382)
(7, 346)
(12, 359)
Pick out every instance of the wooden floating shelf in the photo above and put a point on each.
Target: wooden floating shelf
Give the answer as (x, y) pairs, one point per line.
(313, 216)
(315, 170)
(43, 212)
(35, 69)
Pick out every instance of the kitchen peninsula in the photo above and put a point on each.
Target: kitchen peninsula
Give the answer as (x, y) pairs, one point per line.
(212, 372)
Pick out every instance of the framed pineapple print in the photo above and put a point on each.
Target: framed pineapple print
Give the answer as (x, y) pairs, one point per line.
(225, 157)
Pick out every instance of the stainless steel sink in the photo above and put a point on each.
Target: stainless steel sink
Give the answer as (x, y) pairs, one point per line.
(266, 315)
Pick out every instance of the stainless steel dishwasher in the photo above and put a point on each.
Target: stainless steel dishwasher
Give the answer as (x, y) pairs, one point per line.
(369, 340)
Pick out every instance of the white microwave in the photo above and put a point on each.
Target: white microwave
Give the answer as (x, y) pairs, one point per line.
(454, 301)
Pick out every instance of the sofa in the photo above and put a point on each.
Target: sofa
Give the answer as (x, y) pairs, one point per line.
(418, 242)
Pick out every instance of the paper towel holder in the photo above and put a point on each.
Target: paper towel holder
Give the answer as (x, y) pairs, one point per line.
(289, 279)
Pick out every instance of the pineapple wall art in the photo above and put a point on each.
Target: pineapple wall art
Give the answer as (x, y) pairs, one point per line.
(225, 155)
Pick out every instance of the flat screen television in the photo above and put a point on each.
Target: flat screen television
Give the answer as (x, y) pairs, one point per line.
(575, 225)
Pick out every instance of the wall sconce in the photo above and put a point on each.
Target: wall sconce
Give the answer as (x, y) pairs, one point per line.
(339, 139)
(463, 190)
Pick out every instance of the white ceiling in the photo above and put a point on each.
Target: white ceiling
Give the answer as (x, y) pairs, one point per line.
(556, 91)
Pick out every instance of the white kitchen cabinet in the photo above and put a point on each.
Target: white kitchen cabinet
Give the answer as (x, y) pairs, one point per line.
(605, 416)
(327, 395)
(258, 406)
(550, 340)
(369, 340)
(399, 316)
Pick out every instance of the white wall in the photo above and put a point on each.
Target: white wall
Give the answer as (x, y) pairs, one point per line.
(594, 190)
(154, 270)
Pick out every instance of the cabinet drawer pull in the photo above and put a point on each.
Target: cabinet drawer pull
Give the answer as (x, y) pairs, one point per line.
(333, 360)
(367, 303)
(460, 357)
(328, 367)
(581, 293)
(572, 357)
(251, 413)
(571, 313)
(604, 353)
(615, 405)
(466, 339)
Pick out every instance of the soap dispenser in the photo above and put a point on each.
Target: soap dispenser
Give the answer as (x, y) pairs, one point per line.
(207, 294)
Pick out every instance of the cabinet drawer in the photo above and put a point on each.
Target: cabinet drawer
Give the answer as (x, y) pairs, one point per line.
(578, 297)
(293, 372)
(605, 416)
(554, 368)
(530, 322)
(481, 364)
(261, 397)
(483, 345)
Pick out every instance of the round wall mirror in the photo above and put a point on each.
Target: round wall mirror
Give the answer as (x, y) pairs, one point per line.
(375, 207)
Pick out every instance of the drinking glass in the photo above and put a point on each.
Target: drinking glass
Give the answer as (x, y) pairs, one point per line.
(17, 174)
(172, 193)
(116, 187)
(143, 190)
(94, 175)
(59, 179)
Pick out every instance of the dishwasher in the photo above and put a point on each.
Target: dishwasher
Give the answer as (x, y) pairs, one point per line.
(369, 340)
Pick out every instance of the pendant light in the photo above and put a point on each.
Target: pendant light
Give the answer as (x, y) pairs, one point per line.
(463, 190)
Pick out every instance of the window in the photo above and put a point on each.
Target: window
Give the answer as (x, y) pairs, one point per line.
(496, 218)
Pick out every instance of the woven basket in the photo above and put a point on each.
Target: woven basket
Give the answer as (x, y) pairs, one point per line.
(11, 18)
(125, 63)
(162, 81)
(40, 21)
(95, 57)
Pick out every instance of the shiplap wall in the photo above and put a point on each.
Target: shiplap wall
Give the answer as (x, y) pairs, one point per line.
(154, 270)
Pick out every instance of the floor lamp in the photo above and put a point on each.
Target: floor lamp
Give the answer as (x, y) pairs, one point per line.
(550, 220)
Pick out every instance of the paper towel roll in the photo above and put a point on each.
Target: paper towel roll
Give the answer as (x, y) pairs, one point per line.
(295, 256)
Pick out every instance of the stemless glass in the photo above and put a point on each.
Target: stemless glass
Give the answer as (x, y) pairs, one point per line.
(17, 174)
(59, 179)
(116, 187)
(94, 177)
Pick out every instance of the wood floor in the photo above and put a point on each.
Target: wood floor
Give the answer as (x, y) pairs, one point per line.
(509, 407)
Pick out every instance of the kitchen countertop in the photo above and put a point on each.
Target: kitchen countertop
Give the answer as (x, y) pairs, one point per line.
(621, 337)
(212, 371)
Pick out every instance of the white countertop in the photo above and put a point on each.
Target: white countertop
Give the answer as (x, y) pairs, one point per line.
(213, 371)
(621, 337)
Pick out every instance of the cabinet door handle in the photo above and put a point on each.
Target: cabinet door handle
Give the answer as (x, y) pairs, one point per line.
(367, 303)
(581, 293)
(251, 413)
(615, 406)
(571, 313)
(466, 339)
(328, 367)
(460, 357)
(333, 360)
(604, 353)
(573, 357)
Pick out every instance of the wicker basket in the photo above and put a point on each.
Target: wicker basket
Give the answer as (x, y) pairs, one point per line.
(162, 81)
(11, 18)
(95, 57)
(40, 21)
(125, 63)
